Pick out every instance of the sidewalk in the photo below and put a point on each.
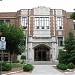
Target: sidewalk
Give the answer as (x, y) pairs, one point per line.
(45, 70)
(42, 70)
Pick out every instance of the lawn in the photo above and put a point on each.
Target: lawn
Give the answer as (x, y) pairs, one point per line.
(13, 65)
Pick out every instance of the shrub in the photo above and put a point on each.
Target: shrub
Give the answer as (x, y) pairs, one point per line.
(72, 58)
(15, 61)
(63, 57)
(22, 62)
(28, 67)
(5, 66)
(23, 57)
(62, 66)
(4, 63)
(71, 65)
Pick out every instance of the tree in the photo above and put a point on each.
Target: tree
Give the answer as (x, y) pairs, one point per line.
(62, 56)
(69, 42)
(15, 43)
(72, 16)
(69, 46)
(23, 57)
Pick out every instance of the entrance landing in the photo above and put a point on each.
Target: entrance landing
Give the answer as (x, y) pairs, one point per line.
(43, 63)
(42, 53)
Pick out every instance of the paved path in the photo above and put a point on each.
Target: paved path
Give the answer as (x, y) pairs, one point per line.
(43, 70)
(69, 73)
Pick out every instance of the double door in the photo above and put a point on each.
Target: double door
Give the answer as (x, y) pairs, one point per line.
(41, 54)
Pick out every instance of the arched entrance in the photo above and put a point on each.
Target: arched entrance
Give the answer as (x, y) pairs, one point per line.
(42, 53)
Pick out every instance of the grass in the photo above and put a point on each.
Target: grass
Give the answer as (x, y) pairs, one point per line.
(13, 65)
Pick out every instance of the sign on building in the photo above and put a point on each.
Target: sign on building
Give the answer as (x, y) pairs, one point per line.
(2, 38)
(2, 43)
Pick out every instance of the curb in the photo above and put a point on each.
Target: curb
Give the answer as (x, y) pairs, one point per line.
(13, 72)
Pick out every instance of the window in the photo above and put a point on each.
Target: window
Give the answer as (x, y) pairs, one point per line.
(42, 27)
(7, 22)
(59, 22)
(24, 22)
(47, 22)
(36, 22)
(74, 26)
(1, 22)
(37, 27)
(47, 27)
(60, 41)
(41, 22)
(5, 58)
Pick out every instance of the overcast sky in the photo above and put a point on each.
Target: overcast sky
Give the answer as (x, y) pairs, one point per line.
(14, 5)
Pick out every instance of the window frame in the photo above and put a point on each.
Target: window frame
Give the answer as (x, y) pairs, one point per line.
(59, 41)
(41, 22)
(2, 22)
(59, 23)
(7, 22)
(24, 22)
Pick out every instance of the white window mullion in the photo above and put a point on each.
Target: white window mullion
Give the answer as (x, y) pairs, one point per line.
(24, 20)
(41, 22)
(59, 23)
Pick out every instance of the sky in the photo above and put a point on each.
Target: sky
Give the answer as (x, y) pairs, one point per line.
(14, 5)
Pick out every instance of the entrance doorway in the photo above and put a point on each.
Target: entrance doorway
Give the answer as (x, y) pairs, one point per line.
(42, 53)
(42, 56)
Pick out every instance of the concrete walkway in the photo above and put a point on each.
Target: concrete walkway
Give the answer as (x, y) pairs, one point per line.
(41, 70)
(45, 70)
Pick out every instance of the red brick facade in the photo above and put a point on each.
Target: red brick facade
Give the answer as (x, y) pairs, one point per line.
(15, 19)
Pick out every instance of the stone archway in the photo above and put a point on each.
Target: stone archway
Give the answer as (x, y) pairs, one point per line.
(41, 53)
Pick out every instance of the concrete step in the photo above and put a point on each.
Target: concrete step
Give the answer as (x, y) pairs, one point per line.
(42, 63)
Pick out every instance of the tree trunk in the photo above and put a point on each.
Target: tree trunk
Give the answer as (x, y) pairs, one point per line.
(10, 58)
